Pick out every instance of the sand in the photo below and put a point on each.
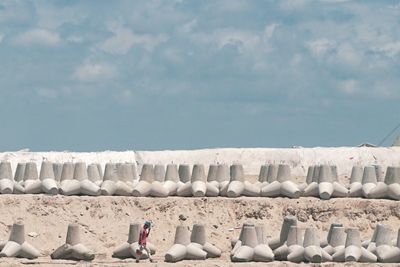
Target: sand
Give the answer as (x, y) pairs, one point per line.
(104, 221)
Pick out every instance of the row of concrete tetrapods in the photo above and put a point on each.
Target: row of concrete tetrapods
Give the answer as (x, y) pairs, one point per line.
(294, 244)
(274, 180)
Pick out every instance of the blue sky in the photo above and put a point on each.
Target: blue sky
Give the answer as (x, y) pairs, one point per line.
(96, 75)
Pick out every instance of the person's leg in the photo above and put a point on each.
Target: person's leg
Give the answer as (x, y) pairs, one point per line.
(148, 253)
(138, 255)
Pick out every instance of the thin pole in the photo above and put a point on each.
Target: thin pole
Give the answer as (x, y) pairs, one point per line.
(389, 134)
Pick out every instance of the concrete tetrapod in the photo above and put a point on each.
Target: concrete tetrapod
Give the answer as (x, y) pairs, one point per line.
(94, 174)
(368, 180)
(19, 179)
(73, 249)
(87, 185)
(110, 179)
(126, 182)
(288, 221)
(272, 173)
(386, 252)
(238, 186)
(324, 242)
(17, 246)
(292, 250)
(193, 248)
(309, 178)
(283, 186)
(147, 185)
(390, 187)
(172, 182)
(252, 245)
(158, 188)
(6, 180)
(49, 184)
(184, 187)
(198, 181)
(69, 186)
(79, 184)
(178, 251)
(393, 183)
(381, 237)
(310, 174)
(19, 173)
(184, 173)
(57, 170)
(312, 249)
(159, 173)
(32, 184)
(262, 252)
(128, 249)
(223, 178)
(379, 173)
(197, 187)
(212, 182)
(353, 251)
(326, 187)
(336, 239)
(263, 176)
(355, 189)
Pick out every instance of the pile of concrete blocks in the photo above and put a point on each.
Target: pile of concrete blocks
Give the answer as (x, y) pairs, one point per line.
(368, 182)
(191, 246)
(238, 186)
(68, 179)
(324, 183)
(279, 182)
(252, 245)
(382, 244)
(148, 185)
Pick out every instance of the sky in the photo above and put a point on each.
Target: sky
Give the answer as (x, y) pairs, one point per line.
(179, 74)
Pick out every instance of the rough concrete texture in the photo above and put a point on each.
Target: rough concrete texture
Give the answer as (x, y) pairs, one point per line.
(73, 249)
(194, 248)
(283, 185)
(16, 246)
(325, 184)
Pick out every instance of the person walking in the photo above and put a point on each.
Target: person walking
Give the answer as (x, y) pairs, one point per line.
(143, 235)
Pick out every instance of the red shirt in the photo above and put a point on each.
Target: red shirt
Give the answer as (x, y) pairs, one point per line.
(144, 233)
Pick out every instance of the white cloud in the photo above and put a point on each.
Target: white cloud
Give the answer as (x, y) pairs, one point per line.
(229, 36)
(293, 4)
(188, 27)
(38, 36)
(1, 37)
(320, 47)
(348, 55)
(93, 72)
(270, 29)
(349, 87)
(123, 39)
(125, 96)
(390, 49)
(47, 93)
(75, 39)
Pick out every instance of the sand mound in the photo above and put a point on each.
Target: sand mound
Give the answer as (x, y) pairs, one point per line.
(104, 220)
